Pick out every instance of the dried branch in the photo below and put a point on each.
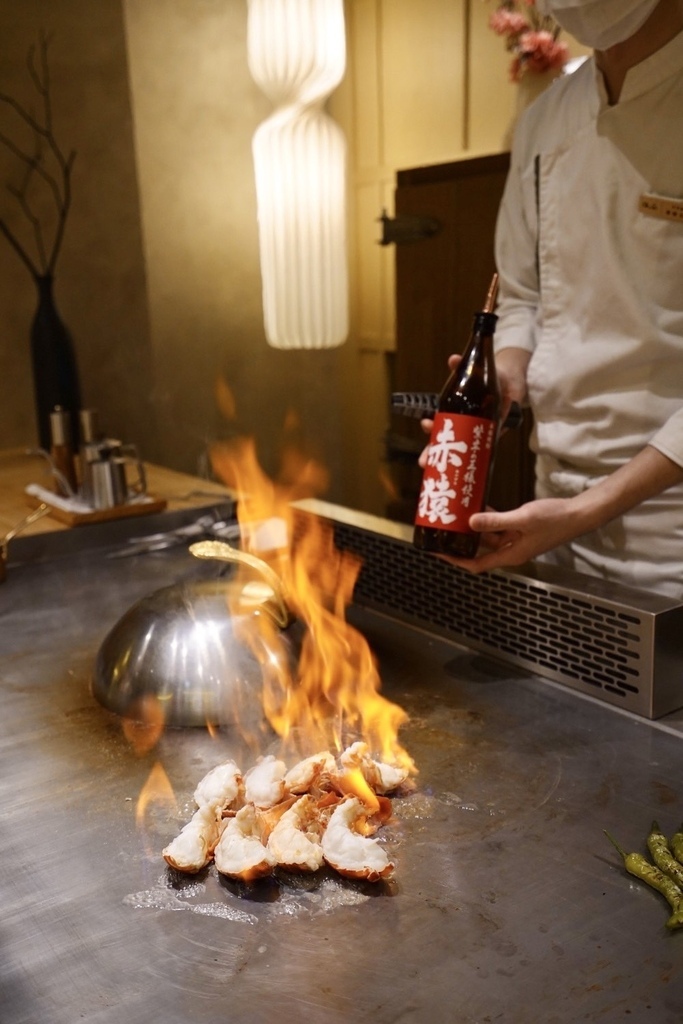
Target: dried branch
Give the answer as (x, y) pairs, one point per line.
(33, 162)
(30, 166)
(58, 185)
(66, 206)
(33, 220)
(16, 245)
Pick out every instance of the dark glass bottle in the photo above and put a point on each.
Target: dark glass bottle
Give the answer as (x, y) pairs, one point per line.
(55, 373)
(457, 476)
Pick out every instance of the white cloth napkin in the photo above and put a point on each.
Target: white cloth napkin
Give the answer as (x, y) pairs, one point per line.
(73, 504)
(57, 500)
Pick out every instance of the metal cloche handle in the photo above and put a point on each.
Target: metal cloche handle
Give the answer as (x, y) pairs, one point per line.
(223, 552)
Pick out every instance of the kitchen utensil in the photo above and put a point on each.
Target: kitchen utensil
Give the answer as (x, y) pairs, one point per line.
(195, 648)
(423, 404)
(32, 517)
(105, 477)
(64, 485)
(203, 527)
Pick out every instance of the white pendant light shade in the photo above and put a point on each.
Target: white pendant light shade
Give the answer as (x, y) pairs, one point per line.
(297, 56)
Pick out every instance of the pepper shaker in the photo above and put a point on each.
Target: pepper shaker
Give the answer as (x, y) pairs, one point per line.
(61, 452)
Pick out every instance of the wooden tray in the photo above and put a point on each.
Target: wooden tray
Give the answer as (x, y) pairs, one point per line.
(100, 515)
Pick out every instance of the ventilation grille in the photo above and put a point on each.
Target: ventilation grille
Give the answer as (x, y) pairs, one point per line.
(593, 645)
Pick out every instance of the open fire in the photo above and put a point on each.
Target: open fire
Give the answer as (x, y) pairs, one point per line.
(334, 693)
(336, 730)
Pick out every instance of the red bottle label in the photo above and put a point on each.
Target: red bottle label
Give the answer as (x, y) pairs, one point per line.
(454, 479)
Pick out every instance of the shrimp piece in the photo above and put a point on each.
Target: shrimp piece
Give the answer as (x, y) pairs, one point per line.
(382, 778)
(268, 817)
(349, 853)
(295, 840)
(220, 788)
(240, 852)
(307, 773)
(193, 848)
(264, 784)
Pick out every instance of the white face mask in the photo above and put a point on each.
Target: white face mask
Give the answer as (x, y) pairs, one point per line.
(599, 23)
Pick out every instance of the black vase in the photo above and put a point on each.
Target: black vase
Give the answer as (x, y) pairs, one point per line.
(55, 373)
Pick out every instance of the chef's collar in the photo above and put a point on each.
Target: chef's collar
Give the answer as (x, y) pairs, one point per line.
(648, 73)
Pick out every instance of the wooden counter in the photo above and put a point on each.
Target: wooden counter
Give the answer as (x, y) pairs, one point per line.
(18, 470)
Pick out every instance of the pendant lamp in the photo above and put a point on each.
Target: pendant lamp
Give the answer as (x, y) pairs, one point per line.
(297, 52)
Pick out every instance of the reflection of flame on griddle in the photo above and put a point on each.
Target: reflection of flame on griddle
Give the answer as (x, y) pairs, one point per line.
(146, 724)
(156, 794)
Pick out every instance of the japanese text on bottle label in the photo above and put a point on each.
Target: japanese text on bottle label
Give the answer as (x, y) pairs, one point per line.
(454, 479)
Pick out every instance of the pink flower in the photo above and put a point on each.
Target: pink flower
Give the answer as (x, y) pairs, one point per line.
(530, 37)
(507, 23)
(540, 51)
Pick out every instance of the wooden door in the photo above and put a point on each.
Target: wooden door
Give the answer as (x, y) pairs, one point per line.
(441, 281)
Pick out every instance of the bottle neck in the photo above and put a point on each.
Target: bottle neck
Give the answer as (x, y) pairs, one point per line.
(480, 346)
(484, 324)
(44, 283)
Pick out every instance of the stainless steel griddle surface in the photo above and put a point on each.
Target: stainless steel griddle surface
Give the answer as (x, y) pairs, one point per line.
(508, 904)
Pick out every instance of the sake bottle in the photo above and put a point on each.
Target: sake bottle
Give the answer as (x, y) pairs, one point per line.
(457, 475)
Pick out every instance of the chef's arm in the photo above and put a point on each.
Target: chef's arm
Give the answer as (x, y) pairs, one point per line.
(541, 525)
(511, 367)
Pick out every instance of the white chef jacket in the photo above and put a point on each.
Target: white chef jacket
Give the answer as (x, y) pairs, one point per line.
(592, 286)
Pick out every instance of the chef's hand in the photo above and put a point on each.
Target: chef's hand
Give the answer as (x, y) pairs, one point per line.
(512, 538)
(511, 366)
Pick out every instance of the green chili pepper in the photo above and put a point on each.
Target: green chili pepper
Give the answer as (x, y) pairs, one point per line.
(640, 867)
(676, 920)
(677, 844)
(658, 845)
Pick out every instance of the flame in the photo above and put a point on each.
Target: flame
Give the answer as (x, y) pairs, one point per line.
(156, 792)
(353, 781)
(333, 695)
(143, 730)
(225, 400)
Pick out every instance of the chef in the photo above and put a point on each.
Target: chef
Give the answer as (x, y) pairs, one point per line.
(589, 248)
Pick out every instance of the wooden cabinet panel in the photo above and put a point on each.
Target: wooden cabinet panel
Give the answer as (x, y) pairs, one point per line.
(441, 281)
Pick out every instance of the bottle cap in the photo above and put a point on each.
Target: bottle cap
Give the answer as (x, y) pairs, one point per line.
(89, 425)
(491, 296)
(59, 426)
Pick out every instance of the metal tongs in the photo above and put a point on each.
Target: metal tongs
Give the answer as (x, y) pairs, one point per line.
(32, 517)
(203, 527)
(423, 404)
(226, 553)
